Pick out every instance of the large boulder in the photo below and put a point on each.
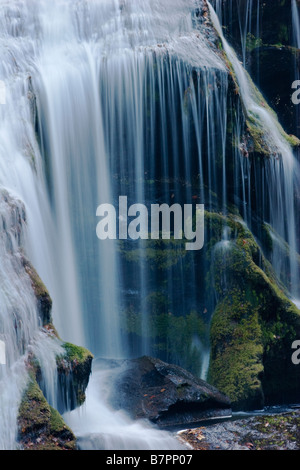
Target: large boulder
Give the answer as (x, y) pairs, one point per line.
(165, 394)
(254, 323)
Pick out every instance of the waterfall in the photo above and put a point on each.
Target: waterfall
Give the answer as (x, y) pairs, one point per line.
(296, 23)
(115, 87)
(246, 26)
(282, 166)
(120, 98)
(19, 320)
(91, 93)
(296, 43)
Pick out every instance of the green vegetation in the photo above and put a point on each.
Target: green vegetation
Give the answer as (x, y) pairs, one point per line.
(76, 353)
(253, 326)
(75, 363)
(252, 42)
(40, 426)
(40, 291)
(158, 254)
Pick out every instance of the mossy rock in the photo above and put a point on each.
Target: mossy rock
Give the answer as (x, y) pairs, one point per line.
(40, 426)
(157, 254)
(73, 372)
(42, 295)
(254, 323)
(237, 352)
(74, 369)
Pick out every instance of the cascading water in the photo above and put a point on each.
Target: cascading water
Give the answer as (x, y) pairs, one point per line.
(296, 23)
(62, 67)
(19, 321)
(248, 22)
(122, 98)
(281, 167)
(296, 43)
(122, 105)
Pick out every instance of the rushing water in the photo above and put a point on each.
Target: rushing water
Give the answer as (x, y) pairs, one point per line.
(100, 427)
(248, 21)
(103, 99)
(282, 167)
(296, 23)
(69, 125)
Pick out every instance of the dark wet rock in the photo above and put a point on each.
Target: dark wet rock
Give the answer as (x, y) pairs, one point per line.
(277, 65)
(266, 432)
(165, 394)
(253, 326)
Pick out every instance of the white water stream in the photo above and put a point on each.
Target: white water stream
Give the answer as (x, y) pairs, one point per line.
(83, 80)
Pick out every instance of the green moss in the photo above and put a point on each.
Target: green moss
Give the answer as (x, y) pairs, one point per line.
(254, 323)
(40, 291)
(237, 351)
(292, 140)
(40, 426)
(76, 364)
(259, 143)
(257, 133)
(76, 353)
(158, 254)
(252, 42)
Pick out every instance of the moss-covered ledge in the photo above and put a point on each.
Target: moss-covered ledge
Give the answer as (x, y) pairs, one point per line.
(40, 427)
(254, 323)
(74, 369)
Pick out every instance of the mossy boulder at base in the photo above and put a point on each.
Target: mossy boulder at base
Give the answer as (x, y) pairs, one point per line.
(253, 326)
(40, 427)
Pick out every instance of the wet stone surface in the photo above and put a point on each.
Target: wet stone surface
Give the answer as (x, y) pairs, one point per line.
(268, 432)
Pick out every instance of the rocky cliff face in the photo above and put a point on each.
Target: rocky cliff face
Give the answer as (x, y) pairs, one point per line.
(253, 326)
(243, 303)
(26, 303)
(266, 32)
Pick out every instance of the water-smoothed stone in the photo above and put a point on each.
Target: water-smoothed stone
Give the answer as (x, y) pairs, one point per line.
(165, 393)
(266, 432)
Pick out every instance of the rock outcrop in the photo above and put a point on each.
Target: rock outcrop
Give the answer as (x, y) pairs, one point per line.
(254, 323)
(148, 388)
(40, 426)
(74, 369)
(266, 432)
